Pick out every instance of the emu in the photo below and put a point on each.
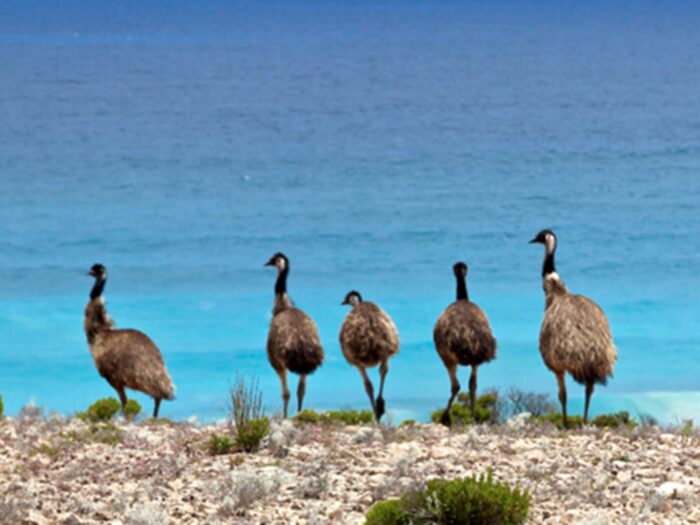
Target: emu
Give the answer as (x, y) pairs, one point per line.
(462, 336)
(125, 358)
(575, 335)
(293, 343)
(368, 337)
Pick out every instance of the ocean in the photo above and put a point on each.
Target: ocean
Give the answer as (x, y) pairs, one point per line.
(375, 144)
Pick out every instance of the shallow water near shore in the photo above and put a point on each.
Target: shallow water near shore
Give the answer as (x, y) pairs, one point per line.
(375, 145)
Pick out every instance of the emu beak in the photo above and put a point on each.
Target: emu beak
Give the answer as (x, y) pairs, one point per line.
(345, 302)
(533, 241)
(271, 262)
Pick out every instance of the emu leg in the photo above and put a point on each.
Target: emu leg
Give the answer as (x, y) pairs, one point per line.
(301, 390)
(368, 388)
(562, 397)
(472, 393)
(156, 407)
(452, 371)
(383, 369)
(122, 398)
(589, 392)
(285, 390)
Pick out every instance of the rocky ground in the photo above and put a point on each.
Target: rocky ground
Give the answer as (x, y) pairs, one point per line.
(56, 470)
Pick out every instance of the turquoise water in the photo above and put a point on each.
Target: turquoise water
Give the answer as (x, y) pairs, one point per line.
(375, 145)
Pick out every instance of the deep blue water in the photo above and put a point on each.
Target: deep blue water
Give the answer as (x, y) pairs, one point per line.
(375, 144)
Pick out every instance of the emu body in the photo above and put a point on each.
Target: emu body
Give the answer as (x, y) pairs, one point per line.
(293, 342)
(463, 336)
(368, 337)
(575, 336)
(125, 358)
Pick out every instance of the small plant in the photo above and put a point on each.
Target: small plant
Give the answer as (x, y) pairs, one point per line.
(250, 434)
(618, 419)
(2, 408)
(132, 409)
(519, 401)
(101, 410)
(247, 415)
(687, 428)
(219, 445)
(461, 413)
(463, 501)
(349, 417)
(408, 423)
(555, 418)
(343, 417)
(308, 416)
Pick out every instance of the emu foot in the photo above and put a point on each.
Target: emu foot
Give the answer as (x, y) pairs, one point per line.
(446, 419)
(379, 409)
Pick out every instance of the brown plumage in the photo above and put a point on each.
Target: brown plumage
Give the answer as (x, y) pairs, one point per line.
(293, 343)
(125, 358)
(369, 338)
(575, 335)
(462, 336)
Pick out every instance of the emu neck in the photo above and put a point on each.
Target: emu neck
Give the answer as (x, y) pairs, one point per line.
(281, 283)
(462, 293)
(548, 264)
(96, 319)
(98, 288)
(282, 303)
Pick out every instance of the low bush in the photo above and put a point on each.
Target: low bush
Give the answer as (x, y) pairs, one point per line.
(2, 408)
(555, 418)
(247, 415)
(343, 417)
(101, 410)
(219, 445)
(615, 420)
(463, 501)
(249, 435)
(618, 419)
(132, 409)
(461, 414)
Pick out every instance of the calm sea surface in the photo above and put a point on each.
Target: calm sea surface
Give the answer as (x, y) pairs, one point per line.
(375, 144)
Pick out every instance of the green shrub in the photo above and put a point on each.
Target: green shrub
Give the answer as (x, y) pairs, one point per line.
(461, 413)
(308, 416)
(463, 501)
(101, 410)
(219, 445)
(343, 417)
(387, 512)
(250, 434)
(556, 419)
(350, 417)
(247, 415)
(132, 409)
(2, 408)
(408, 423)
(618, 419)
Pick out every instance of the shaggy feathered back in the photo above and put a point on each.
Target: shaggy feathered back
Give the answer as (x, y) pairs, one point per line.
(575, 336)
(125, 358)
(130, 359)
(293, 342)
(368, 335)
(462, 334)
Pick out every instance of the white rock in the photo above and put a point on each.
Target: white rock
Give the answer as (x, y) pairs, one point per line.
(519, 421)
(674, 490)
